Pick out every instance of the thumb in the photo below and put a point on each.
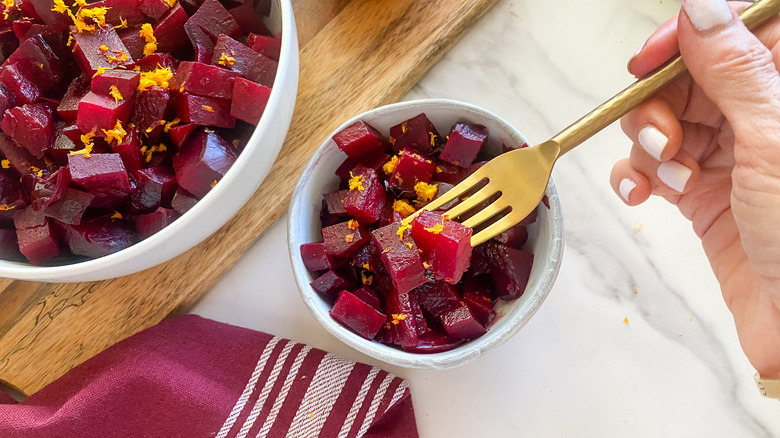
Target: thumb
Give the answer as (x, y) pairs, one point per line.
(733, 68)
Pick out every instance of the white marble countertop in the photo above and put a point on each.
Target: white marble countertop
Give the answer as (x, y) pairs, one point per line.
(576, 369)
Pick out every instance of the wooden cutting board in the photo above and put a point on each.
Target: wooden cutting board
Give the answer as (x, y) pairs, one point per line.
(355, 55)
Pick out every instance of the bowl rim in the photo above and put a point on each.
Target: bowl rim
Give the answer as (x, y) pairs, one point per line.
(67, 272)
(459, 355)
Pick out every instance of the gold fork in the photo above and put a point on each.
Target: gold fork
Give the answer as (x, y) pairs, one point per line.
(517, 179)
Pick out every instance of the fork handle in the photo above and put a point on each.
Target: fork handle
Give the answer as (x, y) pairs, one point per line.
(641, 90)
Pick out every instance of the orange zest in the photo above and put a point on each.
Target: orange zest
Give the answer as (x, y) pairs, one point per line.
(356, 182)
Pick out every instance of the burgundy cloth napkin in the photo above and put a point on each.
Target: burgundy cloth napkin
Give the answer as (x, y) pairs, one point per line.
(193, 377)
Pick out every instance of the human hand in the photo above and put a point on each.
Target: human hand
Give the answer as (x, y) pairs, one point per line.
(710, 144)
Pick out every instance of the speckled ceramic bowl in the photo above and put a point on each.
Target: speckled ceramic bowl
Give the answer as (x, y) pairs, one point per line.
(221, 203)
(545, 235)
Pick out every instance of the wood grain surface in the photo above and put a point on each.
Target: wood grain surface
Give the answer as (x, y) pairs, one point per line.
(355, 55)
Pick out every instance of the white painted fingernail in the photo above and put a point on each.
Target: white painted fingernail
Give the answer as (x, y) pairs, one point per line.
(626, 187)
(707, 14)
(674, 174)
(653, 141)
(638, 49)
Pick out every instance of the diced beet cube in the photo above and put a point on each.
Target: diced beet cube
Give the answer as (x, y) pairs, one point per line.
(7, 100)
(249, 100)
(265, 45)
(191, 6)
(133, 41)
(464, 143)
(22, 162)
(344, 168)
(8, 43)
(330, 284)
(445, 245)
(335, 202)
(151, 223)
(203, 80)
(183, 201)
(63, 144)
(461, 324)
(366, 258)
(125, 81)
(155, 187)
(37, 240)
(401, 319)
(327, 219)
(98, 112)
(360, 140)
(69, 105)
(154, 9)
(203, 160)
(69, 208)
(43, 9)
(476, 295)
(369, 297)
(206, 111)
(366, 196)
(99, 171)
(21, 27)
(400, 257)
(209, 22)
(411, 169)
(99, 237)
(30, 126)
(351, 311)
(315, 258)
(157, 60)
(150, 107)
(180, 133)
(244, 61)
(9, 245)
(171, 35)
(342, 240)
(417, 133)
(435, 341)
(20, 86)
(119, 10)
(203, 54)
(89, 56)
(248, 18)
(510, 270)
(12, 195)
(36, 60)
(130, 151)
(481, 262)
(438, 297)
(38, 244)
(420, 323)
(47, 188)
(514, 237)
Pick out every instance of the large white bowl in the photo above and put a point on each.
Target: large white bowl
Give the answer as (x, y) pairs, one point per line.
(221, 203)
(545, 235)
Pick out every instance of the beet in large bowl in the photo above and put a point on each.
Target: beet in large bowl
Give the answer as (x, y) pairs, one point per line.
(154, 123)
(354, 315)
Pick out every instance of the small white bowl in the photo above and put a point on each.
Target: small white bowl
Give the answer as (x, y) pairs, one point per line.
(545, 235)
(221, 203)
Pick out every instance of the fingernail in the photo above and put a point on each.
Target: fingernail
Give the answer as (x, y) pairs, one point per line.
(626, 187)
(634, 55)
(653, 141)
(674, 175)
(707, 14)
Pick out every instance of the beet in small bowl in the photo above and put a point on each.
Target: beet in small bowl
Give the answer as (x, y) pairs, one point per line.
(131, 131)
(397, 289)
